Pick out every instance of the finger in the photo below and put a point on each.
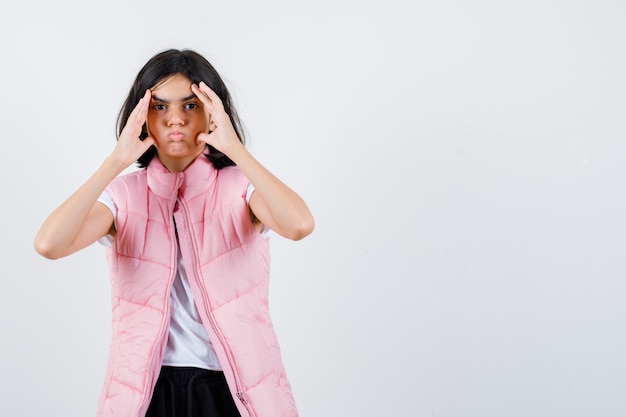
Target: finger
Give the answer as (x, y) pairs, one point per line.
(203, 137)
(202, 96)
(141, 109)
(149, 141)
(215, 99)
(209, 108)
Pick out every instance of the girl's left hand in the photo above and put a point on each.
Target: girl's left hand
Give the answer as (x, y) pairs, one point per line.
(223, 136)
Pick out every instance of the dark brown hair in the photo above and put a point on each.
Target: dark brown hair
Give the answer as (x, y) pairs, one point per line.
(193, 66)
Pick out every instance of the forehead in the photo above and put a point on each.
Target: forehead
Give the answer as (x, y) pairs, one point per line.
(176, 86)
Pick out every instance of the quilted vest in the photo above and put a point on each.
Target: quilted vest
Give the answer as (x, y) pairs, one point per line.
(227, 262)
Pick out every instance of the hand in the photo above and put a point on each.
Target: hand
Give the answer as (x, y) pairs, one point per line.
(129, 147)
(223, 136)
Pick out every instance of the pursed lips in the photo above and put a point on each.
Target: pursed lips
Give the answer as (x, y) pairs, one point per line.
(176, 135)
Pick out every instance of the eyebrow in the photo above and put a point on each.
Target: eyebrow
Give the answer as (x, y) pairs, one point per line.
(155, 98)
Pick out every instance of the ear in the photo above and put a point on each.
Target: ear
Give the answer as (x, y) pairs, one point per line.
(211, 124)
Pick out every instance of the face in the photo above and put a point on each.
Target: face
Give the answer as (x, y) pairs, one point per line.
(175, 118)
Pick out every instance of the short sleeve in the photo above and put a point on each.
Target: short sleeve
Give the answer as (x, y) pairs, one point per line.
(265, 231)
(249, 192)
(106, 199)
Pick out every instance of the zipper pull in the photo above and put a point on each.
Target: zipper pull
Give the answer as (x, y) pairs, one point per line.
(242, 397)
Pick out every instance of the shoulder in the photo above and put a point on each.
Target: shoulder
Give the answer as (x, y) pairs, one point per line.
(127, 183)
(130, 178)
(233, 177)
(231, 172)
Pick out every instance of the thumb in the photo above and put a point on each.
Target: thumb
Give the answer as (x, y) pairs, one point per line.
(149, 141)
(203, 137)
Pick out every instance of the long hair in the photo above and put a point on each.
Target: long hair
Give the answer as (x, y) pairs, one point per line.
(195, 67)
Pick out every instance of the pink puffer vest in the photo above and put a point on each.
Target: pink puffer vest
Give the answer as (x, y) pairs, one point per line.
(228, 267)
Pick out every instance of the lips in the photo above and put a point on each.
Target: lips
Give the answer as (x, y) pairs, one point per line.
(176, 136)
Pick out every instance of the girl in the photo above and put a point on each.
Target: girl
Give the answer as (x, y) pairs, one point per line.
(188, 251)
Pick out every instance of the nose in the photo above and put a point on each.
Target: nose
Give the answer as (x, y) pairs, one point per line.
(175, 117)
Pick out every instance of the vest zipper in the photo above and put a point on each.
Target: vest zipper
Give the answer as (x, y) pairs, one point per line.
(196, 276)
(151, 380)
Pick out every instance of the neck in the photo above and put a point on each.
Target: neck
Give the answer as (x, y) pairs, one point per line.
(178, 164)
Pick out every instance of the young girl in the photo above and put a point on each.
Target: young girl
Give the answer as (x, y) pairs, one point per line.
(188, 251)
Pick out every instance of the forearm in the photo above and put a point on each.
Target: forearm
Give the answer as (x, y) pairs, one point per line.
(60, 231)
(280, 208)
(273, 203)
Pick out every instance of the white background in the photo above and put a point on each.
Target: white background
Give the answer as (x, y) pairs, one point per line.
(465, 162)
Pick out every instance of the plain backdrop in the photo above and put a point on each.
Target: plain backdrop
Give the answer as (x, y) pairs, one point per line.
(465, 162)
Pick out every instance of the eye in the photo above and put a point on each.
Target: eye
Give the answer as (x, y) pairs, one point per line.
(159, 106)
(191, 106)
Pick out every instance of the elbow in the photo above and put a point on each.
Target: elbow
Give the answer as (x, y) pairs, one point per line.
(46, 249)
(302, 229)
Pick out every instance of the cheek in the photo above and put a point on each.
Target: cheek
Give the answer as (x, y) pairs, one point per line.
(201, 123)
(152, 120)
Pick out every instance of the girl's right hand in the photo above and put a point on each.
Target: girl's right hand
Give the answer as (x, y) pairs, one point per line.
(129, 147)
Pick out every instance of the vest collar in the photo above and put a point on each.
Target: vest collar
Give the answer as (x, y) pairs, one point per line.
(195, 179)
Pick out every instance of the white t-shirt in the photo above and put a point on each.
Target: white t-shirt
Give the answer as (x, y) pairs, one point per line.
(188, 343)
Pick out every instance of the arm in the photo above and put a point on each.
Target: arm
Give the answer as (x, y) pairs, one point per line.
(273, 203)
(81, 220)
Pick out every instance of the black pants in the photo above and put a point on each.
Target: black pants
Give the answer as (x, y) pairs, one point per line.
(191, 392)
